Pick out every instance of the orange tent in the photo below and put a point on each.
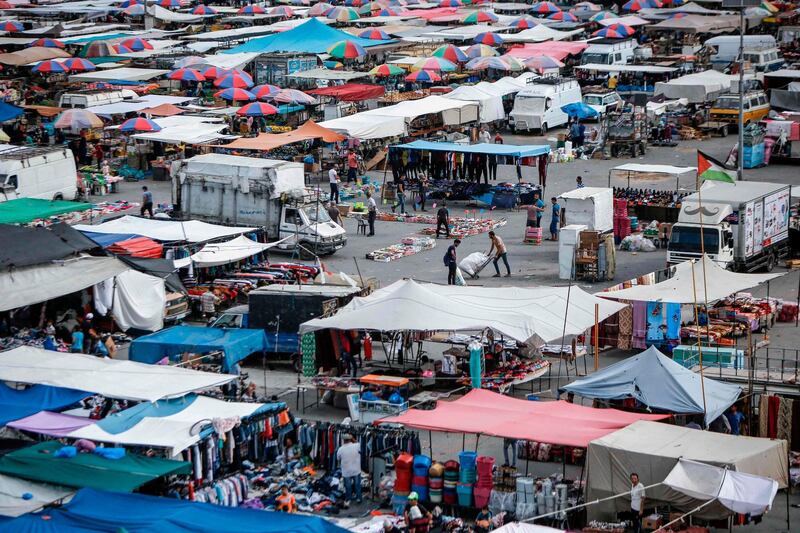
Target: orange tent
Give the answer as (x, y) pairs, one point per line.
(269, 141)
(163, 110)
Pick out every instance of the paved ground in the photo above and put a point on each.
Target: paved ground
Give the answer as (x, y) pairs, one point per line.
(531, 265)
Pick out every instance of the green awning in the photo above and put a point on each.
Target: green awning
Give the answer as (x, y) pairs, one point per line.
(37, 463)
(24, 210)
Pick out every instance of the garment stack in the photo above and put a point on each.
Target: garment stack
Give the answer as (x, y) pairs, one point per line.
(466, 478)
(779, 418)
(230, 491)
(449, 494)
(485, 483)
(419, 481)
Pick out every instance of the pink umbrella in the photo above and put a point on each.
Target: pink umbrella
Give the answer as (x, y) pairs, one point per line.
(293, 96)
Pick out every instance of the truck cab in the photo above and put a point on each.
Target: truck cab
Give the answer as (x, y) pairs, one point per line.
(684, 243)
(538, 106)
(307, 224)
(609, 52)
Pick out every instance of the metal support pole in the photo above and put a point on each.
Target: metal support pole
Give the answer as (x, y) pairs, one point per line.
(740, 151)
(430, 442)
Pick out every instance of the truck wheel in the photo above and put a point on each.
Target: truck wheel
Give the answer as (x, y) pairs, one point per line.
(770, 263)
(724, 131)
(297, 364)
(58, 196)
(544, 129)
(306, 254)
(512, 128)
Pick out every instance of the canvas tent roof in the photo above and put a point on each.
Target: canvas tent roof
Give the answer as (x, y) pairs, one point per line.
(453, 111)
(351, 92)
(193, 231)
(489, 413)
(555, 49)
(269, 141)
(112, 378)
(699, 24)
(491, 104)
(223, 253)
(696, 88)
(38, 463)
(689, 285)
(653, 450)
(51, 424)
(24, 210)
(23, 246)
(12, 502)
(659, 383)
(119, 74)
(32, 55)
(362, 126)
(540, 33)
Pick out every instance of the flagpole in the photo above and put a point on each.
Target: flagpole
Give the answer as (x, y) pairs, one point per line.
(705, 291)
(699, 343)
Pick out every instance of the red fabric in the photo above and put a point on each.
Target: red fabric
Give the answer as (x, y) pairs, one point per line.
(556, 49)
(137, 247)
(489, 413)
(774, 404)
(351, 92)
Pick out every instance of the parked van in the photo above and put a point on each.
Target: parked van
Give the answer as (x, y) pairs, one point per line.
(603, 101)
(538, 106)
(47, 173)
(609, 52)
(726, 107)
(726, 49)
(768, 59)
(91, 98)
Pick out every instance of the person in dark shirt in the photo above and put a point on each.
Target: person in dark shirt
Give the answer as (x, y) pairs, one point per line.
(452, 262)
(443, 219)
(483, 522)
(417, 518)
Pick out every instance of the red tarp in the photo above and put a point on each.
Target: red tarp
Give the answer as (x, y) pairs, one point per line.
(351, 92)
(137, 247)
(489, 413)
(268, 141)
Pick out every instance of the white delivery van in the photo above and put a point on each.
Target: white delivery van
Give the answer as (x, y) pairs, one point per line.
(725, 48)
(538, 106)
(91, 98)
(46, 173)
(609, 52)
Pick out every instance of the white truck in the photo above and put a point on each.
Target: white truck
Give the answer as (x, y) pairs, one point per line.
(46, 173)
(95, 97)
(609, 52)
(745, 226)
(538, 106)
(252, 191)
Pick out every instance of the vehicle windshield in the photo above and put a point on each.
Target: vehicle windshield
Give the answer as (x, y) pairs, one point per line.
(228, 320)
(687, 239)
(594, 58)
(317, 213)
(726, 103)
(591, 99)
(533, 104)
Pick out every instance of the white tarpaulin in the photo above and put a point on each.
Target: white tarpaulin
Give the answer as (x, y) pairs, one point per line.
(187, 134)
(12, 490)
(741, 493)
(122, 74)
(223, 253)
(172, 16)
(165, 230)
(524, 527)
(39, 283)
(145, 102)
(519, 313)
(361, 126)
(173, 431)
(697, 88)
(453, 112)
(682, 288)
(229, 61)
(112, 378)
(491, 103)
(540, 34)
(136, 300)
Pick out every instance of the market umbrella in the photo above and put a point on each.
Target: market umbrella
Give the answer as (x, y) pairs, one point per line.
(385, 70)
(506, 63)
(265, 91)
(491, 39)
(47, 43)
(769, 6)
(318, 10)
(353, 3)
(423, 76)
(579, 110)
(585, 6)
(387, 12)
(450, 3)
(79, 64)
(137, 44)
(251, 10)
(212, 73)
(542, 63)
(481, 50)
(78, 119)
(5, 5)
(139, 124)
(257, 109)
(562, 16)
(129, 3)
(97, 49)
(283, 11)
(236, 78)
(749, 12)
(49, 67)
(186, 74)
(478, 17)
(369, 8)
(189, 61)
(121, 49)
(171, 4)
(434, 64)
(11, 26)
(346, 49)
(293, 96)
(342, 14)
(332, 65)
(602, 15)
(235, 95)
(205, 10)
(636, 5)
(615, 31)
(451, 53)
(524, 23)
(136, 10)
(544, 8)
(375, 35)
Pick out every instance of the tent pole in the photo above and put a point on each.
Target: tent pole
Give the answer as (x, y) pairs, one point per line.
(477, 441)
(430, 442)
(463, 441)
(596, 340)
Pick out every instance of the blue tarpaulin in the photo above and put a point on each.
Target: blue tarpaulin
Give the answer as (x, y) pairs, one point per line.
(236, 344)
(659, 383)
(107, 239)
(526, 150)
(579, 110)
(16, 404)
(91, 511)
(312, 37)
(9, 111)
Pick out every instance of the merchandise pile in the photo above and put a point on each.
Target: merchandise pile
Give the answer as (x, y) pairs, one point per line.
(408, 246)
(508, 374)
(97, 212)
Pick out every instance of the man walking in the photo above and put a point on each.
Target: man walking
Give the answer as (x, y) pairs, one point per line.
(535, 212)
(334, 213)
(554, 219)
(147, 202)
(451, 261)
(401, 196)
(637, 502)
(443, 219)
(349, 457)
(372, 213)
(333, 178)
(500, 253)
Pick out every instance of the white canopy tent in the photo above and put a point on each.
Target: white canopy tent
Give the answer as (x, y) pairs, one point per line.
(698, 88)
(363, 126)
(198, 133)
(510, 84)
(489, 99)
(454, 112)
(112, 378)
(172, 16)
(689, 285)
(136, 300)
(132, 106)
(12, 489)
(628, 20)
(223, 253)
(122, 74)
(193, 231)
(631, 169)
(519, 313)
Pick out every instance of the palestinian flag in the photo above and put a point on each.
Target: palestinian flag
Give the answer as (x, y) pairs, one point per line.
(709, 169)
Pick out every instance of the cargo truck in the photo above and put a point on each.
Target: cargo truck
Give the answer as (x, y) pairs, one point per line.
(251, 191)
(745, 225)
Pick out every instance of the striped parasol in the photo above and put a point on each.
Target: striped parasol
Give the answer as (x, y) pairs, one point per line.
(346, 49)
(385, 70)
(235, 78)
(265, 91)
(451, 53)
(423, 76)
(186, 74)
(139, 124)
(436, 64)
(257, 109)
(235, 95)
(49, 67)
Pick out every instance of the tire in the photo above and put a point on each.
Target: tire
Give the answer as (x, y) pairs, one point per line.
(544, 128)
(58, 196)
(297, 363)
(306, 254)
(512, 128)
(614, 150)
(771, 261)
(724, 131)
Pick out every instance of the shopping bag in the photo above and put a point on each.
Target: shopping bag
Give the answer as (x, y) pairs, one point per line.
(460, 278)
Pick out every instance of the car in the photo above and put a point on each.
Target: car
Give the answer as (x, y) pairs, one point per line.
(603, 102)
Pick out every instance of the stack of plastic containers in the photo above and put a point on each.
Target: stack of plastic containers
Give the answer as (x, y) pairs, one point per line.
(449, 494)
(419, 482)
(466, 478)
(526, 497)
(622, 223)
(485, 483)
(436, 482)
(402, 485)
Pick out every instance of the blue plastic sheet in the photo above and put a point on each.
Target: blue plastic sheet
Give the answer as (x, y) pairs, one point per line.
(16, 404)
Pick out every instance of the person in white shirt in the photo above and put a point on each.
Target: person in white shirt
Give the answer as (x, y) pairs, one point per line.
(349, 457)
(484, 136)
(333, 177)
(637, 502)
(372, 212)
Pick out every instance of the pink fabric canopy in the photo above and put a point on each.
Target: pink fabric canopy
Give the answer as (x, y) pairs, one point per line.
(489, 413)
(555, 49)
(52, 424)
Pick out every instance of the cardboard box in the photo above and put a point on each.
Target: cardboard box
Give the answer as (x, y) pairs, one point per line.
(652, 522)
(344, 209)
